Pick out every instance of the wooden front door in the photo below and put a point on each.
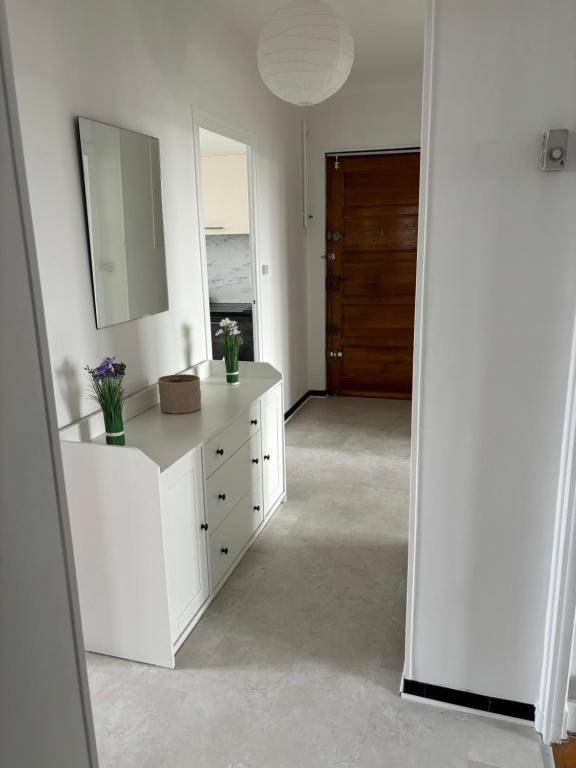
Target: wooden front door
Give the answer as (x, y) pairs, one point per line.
(372, 228)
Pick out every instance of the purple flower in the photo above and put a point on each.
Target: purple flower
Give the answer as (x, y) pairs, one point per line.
(119, 370)
(107, 369)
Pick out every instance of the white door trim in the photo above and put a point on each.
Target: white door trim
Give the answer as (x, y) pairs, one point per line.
(202, 119)
(419, 344)
(36, 709)
(551, 710)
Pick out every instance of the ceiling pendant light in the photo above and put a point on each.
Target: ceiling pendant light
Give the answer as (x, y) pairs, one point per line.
(305, 52)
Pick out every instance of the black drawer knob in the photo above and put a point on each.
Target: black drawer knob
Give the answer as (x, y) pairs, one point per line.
(220, 451)
(254, 461)
(222, 496)
(254, 421)
(204, 527)
(224, 550)
(267, 457)
(256, 509)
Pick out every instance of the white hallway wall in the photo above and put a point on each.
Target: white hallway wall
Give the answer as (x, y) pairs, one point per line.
(499, 302)
(141, 65)
(375, 116)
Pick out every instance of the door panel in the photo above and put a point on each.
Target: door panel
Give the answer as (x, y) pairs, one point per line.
(272, 448)
(381, 371)
(368, 185)
(359, 320)
(372, 206)
(185, 545)
(379, 275)
(388, 230)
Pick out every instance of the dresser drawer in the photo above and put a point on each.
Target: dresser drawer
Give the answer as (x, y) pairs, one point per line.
(232, 536)
(219, 448)
(227, 485)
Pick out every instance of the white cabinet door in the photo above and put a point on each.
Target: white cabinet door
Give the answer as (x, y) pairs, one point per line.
(272, 447)
(185, 546)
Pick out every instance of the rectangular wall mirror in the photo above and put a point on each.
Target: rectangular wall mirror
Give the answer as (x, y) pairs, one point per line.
(123, 203)
(226, 206)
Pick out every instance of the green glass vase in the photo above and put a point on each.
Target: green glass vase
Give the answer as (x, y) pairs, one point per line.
(232, 368)
(114, 425)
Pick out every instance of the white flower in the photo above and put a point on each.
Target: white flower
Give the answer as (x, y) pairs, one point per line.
(228, 328)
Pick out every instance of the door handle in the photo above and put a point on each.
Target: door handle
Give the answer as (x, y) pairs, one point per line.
(334, 282)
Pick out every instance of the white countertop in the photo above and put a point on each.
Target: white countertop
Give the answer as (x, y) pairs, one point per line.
(165, 438)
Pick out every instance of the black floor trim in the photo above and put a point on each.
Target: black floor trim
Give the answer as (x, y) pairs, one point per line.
(471, 700)
(302, 400)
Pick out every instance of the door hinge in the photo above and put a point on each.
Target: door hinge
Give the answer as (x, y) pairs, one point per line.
(333, 353)
(336, 163)
(335, 235)
(334, 282)
(329, 256)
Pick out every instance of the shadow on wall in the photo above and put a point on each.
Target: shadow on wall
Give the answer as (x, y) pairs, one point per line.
(74, 391)
(70, 388)
(187, 342)
(75, 388)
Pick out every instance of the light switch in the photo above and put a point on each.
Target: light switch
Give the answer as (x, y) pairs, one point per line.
(554, 148)
(265, 269)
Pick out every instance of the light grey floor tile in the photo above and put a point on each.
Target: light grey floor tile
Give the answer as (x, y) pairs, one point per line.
(298, 661)
(504, 745)
(479, 765)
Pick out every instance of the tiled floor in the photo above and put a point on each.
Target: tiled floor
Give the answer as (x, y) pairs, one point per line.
(297, 663)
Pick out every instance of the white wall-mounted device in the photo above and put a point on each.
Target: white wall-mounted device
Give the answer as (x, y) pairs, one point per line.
(554, 149)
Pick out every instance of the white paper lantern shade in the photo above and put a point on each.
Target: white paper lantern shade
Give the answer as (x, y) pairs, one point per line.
(305, 52)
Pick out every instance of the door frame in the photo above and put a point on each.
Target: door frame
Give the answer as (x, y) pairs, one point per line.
(33, 693)
(551, 708)
(419, 344)
(407, 150)
(202, 119)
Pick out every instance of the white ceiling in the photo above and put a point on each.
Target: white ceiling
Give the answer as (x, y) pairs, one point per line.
(388, 34)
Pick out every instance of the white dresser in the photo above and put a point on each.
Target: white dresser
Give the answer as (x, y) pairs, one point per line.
(159, 524)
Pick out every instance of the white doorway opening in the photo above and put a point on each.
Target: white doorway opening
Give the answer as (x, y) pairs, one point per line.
(225, 180)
